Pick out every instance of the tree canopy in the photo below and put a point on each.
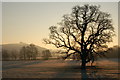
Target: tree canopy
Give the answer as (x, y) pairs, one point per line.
(85, 31)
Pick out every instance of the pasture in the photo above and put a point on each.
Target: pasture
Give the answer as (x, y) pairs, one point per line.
(59, 69)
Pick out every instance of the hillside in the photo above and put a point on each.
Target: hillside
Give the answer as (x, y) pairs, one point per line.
(110, 53)
(18, 46)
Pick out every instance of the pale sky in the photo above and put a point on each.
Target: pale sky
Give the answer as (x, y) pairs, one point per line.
(28, 22)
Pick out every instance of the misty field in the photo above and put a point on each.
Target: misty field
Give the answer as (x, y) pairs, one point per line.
(59, 69)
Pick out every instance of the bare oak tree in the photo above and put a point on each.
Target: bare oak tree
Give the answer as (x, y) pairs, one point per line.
(85, 31)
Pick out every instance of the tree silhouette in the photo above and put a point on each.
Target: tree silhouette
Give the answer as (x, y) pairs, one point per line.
(23, 53)
(29, 52)
(32, 51)
(5, 55)
(46, 54)
(85, 31)
(14, 55)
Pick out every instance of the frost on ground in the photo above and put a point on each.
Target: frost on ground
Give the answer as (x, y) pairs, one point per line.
(59, 69)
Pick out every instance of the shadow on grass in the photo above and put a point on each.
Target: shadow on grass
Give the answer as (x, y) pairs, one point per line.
(90, 73)
(71, 70)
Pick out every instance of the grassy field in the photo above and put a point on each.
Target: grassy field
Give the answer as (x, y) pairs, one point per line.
(59, 69)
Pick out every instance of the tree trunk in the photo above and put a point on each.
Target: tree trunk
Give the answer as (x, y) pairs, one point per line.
(83, 65)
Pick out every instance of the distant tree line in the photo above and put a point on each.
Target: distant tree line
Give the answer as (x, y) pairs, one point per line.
(9, 55)
(29, 52)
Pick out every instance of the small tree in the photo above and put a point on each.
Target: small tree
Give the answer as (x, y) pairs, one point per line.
(29, 52)
(14, 54)
(85, 31)
(33, 51)
(46, 54)
(23, 53)
(5, 55)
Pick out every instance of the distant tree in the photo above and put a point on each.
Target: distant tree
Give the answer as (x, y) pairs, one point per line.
(29, 52)
(85, 31)
(14, 55)
(112, 52)
(76, 56)
(32, 51)
(46, 54)
(5, 55)
(23, 53)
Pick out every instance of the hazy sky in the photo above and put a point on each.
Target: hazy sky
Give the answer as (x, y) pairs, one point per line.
(29, 21)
